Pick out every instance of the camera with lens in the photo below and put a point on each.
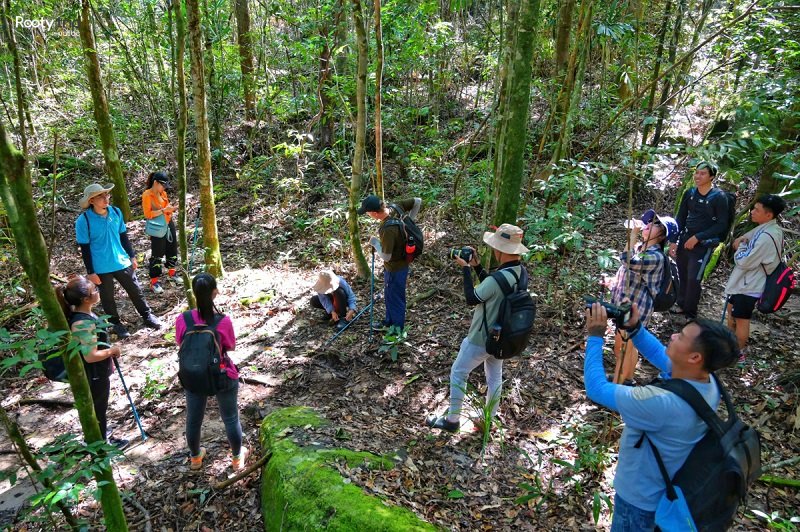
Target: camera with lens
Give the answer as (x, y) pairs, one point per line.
(464, 253)
(620, 315)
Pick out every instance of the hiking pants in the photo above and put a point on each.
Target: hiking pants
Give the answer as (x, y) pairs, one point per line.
(470, 356)
(394, 294)
(166, 246)
(127, 279)
(339, 300)
(691, 263)
(228, 411)
(100, 387)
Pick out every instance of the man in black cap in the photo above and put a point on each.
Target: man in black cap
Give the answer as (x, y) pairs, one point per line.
(390, 246)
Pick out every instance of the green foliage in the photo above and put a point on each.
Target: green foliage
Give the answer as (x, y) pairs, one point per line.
(154, 380)
(776, 522)
(393, 339)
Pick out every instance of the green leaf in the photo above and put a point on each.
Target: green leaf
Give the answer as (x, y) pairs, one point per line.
(455, 494)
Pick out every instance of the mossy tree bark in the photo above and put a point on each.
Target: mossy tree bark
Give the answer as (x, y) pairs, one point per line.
(378, 90)
(331, 35)
(512, 131)
(666, 88)
(11, 40)
(208, 210)
(361, 135)
(246, 57)
(16, 193)
(180, 149)
(770, 182)
(101, 114)
(662, 34)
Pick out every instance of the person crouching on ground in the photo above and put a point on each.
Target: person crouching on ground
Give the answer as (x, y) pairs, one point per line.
(638, 279)
(335, 297)
(506, 244)
(757, 252)
(205, 290)
(77, 299)
(670, 423)
(155, 205)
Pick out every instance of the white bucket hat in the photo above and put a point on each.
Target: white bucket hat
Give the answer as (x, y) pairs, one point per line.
(327, 283)
(91, 191)
(507, 239)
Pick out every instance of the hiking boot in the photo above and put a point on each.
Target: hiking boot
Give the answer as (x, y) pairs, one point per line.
(441, 422)
(238, 462)
(152, 322)
(119, 330)
(196, 462)
(156, 288)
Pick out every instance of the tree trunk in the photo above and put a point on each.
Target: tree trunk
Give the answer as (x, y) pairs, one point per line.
(101, 115)
(666, 88)
(662, 34)
(16, 193)
(360, 142)
(215, 138)
(562, 39)
(777, 162)
(209, 216)
(180, 150)
(11, 41)
(246, 57)
(378, 90)
(511, 151)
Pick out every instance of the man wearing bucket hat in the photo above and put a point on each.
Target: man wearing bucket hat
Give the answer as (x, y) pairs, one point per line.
(390, 246)
(335, 297)
(669, 422)
(108, 255)
(506, 244)
(638, 279)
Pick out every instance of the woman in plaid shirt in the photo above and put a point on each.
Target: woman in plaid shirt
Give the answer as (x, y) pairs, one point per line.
(638, 278)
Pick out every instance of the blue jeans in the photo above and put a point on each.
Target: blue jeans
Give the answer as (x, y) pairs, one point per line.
(629, 518)
(394, 293)
(228, 410)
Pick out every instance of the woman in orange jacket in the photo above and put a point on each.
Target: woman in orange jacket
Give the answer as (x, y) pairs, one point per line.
(159, 213)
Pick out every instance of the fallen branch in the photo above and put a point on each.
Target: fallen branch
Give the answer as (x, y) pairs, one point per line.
(17, 312)
(46, 402)
(782, 463)
(225, 483)
(780, 481)
(422, 297)
(148, 526)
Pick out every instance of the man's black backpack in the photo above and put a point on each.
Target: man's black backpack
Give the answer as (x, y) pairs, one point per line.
(200, 358)
(412, 235)
(721, 466)
(668, 289)
(510, 334)
(780, 284)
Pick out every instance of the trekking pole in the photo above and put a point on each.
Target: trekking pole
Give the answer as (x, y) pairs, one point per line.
(194, 241)
(133, 408)
(371, 295)
(724, 310)
(348, 324)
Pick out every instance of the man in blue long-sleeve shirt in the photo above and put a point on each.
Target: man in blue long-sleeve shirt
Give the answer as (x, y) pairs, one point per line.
(699, 349)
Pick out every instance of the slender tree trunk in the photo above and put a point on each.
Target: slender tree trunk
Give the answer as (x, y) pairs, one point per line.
(705, 10)
(512, 150)
(662, 34)
(360, 142)
(378, 90)
(16, 194)
(11, 41)
(325, 129)
(101, 115)
(213, 103)
(246, 57)
(180, 150)
(666, 88)
(562, 39)
(209, 216)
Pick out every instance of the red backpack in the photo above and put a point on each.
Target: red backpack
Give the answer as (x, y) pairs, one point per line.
(779, 286)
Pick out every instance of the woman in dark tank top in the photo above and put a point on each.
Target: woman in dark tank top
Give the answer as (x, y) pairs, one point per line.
(77, 299)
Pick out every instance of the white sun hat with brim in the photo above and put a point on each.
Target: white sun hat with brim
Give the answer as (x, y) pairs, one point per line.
(506, 239)
(95, 189)
(327, 283)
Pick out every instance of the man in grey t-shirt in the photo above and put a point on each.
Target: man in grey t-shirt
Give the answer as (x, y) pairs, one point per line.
(506, 243)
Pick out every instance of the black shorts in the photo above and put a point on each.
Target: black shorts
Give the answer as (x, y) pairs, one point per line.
(743, 306)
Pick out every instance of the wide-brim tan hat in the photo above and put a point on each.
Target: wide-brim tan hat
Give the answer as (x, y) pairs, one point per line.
(91, 191)
(327, 283)
(507, 239)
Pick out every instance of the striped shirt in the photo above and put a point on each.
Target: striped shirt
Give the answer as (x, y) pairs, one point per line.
(638, 272)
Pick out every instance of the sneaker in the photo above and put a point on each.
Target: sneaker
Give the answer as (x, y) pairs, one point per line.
(119, 443)
(152, 322)
(742, 358)
(238, 462)
(156, 288)
(441, 422)
(196, 462)
(119, 330)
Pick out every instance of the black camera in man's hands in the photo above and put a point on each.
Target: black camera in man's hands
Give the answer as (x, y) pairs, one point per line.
(620, 315)
(464, 253)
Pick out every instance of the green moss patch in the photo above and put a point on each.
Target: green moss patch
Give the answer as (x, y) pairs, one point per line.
(303, 490)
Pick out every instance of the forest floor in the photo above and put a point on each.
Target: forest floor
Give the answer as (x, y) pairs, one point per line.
(549, 467)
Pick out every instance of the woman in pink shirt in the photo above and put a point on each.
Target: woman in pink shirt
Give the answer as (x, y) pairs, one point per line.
(205, 290)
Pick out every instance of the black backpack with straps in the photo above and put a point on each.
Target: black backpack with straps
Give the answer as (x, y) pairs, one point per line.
(511, 331)
(669, 287)
(412, 234)
(200, 358)
(721, 466)
(780, 284)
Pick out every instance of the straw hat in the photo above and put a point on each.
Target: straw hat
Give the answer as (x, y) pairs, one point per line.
(327, 283)
(507, 239)
(91, 191)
